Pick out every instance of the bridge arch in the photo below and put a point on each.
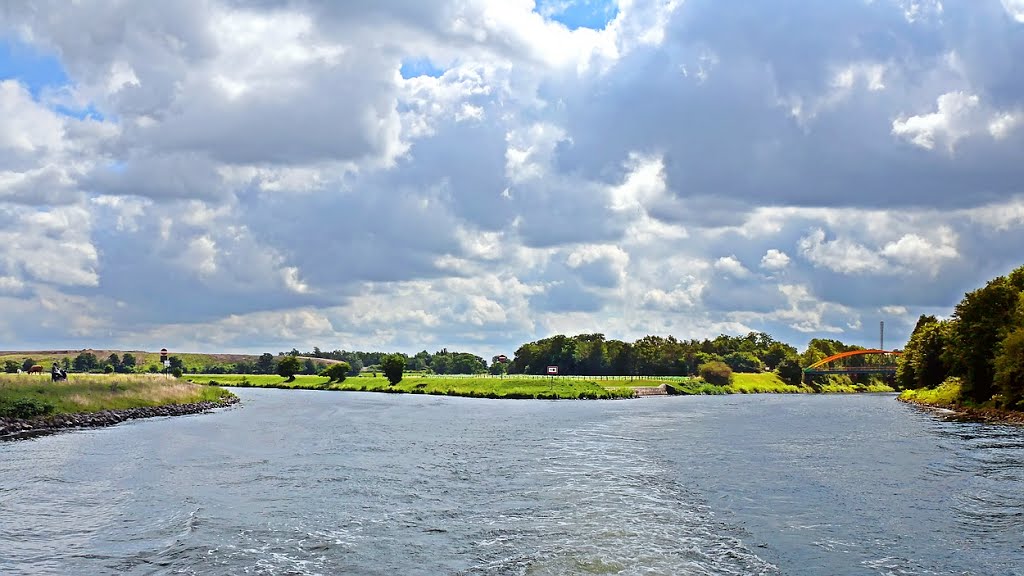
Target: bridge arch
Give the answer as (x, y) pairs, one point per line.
(819, 367)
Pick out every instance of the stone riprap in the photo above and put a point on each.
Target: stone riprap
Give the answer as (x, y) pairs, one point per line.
(14, 428)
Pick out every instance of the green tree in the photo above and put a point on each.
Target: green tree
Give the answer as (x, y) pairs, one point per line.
(393, 365)
(716, 372)
(790, 372)
(357, 367)
(744, 362)
(309, 366)
(981, 322)
(85, 361)
(288, 367)
(1009, 365)
(11, 366)
(923, 363)
(128, 362)
(337, 372)
(108, 369)
(499, 366)
(114, 361)
(264, 364)
(775, 353)
(176, 362)
(28, 363)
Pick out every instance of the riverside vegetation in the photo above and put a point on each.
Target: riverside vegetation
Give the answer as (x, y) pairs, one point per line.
(535, 387)
(973, 361)
(24, 396)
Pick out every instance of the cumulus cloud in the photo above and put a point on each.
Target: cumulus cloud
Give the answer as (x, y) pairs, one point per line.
(774, 260)
(401, 175)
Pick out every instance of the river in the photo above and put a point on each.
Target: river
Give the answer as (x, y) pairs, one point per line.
(307, 482)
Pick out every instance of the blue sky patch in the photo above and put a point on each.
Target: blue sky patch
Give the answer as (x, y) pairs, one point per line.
(35, 69)
(39, 71)
(413, 67)
(595, 14)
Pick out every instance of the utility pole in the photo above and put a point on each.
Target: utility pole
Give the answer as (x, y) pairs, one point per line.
(881, 335)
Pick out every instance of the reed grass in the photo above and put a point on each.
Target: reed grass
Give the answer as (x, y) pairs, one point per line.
(96, 392)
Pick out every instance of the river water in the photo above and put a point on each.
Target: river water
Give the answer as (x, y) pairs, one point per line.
(305, 482)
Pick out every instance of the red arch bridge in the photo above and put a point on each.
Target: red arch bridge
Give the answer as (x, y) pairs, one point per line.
(856, 362)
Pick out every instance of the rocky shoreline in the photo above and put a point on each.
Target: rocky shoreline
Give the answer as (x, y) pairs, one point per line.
(13, 428)
(969, 414)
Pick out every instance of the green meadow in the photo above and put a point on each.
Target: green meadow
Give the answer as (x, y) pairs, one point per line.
(559, 387)
(476, 387)
(26, 395)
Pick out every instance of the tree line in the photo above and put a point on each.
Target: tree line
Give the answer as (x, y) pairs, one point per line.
(981, 345)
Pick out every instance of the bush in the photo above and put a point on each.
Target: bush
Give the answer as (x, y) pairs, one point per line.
(716, 372)
(108, 369)
(393, 366)
(337, 372)
(26, 408)
(790, 372)
(176, 371)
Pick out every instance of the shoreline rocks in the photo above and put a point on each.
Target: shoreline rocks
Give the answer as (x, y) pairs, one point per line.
(968, 414)
(14, 428)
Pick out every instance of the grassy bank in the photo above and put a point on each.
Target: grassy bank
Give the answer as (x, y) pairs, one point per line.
(23, 395)
(763, 383)
(947, 395)
(476, 387)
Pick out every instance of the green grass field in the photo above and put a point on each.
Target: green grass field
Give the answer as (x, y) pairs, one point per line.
(515, 386)
(476, 387)
(95, 392)
(763, 383)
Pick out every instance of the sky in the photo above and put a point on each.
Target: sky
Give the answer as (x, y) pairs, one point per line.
(402, 175)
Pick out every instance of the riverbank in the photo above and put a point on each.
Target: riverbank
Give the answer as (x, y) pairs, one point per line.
(13, 428)
(528, 387)
(947, 397)
(32, 404)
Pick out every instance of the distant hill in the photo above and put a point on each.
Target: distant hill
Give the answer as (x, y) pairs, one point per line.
(193, 361)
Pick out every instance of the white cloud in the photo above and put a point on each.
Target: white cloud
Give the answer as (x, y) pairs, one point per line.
(732, 266)
(1015, 8)
(906, 254)
(959, 115)
(839, 255)
(774, 260)
(267, 176)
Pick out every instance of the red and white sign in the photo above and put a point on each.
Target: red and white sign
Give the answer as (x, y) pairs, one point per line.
(552, 370)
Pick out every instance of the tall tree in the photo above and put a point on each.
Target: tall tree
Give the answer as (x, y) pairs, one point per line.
(265, 364)
(981, 322)
(924, 362)
(288, 367)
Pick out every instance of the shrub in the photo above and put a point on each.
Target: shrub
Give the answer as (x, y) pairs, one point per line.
(337, 372)
(176, 371)
(790, 372)
(26, 408)
(108, 369)
(716, 372)
(393, 366)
